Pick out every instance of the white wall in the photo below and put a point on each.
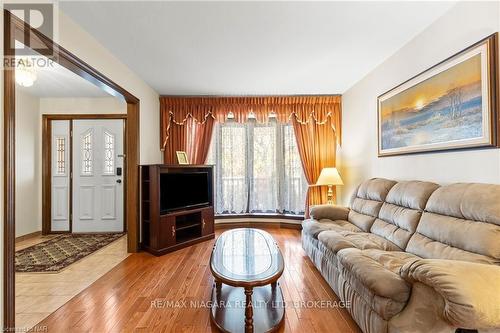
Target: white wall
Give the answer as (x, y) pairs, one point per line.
(82, 105)
(465, 24)
(87, 48)
(28, 164)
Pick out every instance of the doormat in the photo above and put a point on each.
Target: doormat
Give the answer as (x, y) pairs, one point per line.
(58, 253)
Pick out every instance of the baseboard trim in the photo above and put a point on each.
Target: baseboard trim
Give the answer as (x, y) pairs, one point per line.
(28, 236)
(247, 222)
(286, 217)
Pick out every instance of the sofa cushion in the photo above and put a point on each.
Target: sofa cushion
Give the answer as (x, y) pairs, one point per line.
(411, 194)
(375, 189)
(477, 202)
(313, 227)
(338, 240)
(432, 242)
(374, 274)
(399, 215)
(331, 212)
(367, 201)
(460, 222)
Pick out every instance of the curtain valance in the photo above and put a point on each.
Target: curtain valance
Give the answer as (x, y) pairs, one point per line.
(322, 110)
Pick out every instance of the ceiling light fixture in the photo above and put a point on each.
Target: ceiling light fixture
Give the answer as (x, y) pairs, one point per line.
(25, 73)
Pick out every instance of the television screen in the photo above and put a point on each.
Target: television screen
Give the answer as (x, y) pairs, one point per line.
(183, 190)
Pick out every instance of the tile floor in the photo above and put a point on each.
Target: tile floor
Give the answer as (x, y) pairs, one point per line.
(40, 294)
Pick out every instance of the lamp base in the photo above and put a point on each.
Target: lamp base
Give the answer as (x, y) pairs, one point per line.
(329, 195)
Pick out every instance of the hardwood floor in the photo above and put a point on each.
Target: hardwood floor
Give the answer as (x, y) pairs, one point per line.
(153, 294)
(39, 294)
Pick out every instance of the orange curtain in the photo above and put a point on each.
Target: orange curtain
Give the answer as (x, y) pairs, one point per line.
(199, 136)
(187, 124)
(177, 109)
(317, 150)
(186, 129)
(177, 141)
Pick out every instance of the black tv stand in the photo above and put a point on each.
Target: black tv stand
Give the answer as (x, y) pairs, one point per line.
(164, 232)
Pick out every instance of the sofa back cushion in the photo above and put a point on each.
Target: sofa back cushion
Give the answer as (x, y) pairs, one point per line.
(400, 213)
(460, 222)
(367, 201)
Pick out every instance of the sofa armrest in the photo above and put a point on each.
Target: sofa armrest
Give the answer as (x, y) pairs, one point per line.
(331, 212)
(470, 290)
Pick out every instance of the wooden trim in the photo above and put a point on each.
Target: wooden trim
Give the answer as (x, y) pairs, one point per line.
(28, 236)
(132, 176)
(124, 177)
(495, 88)
(260, 216)
(12, 27)
(84, 116)
(46, 175)
(9, 179)
(254, 224)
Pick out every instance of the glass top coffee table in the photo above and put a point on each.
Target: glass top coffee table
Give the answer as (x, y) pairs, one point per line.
(246, 264)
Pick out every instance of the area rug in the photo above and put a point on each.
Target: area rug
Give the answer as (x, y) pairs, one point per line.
(58, 253)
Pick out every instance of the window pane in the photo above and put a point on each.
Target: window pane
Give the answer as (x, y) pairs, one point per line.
(264, 180)
(295, 184)
(87, 155)
(109, 153)
(61, 155)
(231, 173)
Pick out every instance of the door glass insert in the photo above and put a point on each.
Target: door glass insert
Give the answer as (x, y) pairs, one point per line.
(109, 153)
(61, 161)
(87, 154)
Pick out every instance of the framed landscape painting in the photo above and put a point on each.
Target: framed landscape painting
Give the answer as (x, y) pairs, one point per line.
(452, 105)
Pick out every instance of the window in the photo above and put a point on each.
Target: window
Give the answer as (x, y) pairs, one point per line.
(61, 155)
(87, 154)
(109, 153)
(257, 169)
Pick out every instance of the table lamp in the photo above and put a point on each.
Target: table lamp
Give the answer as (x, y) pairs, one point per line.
(330, 177)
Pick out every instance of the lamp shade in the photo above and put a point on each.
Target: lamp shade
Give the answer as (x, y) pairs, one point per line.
(329, 176)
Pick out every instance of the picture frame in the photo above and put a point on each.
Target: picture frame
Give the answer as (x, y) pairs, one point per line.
(452, 105)
(182, 157)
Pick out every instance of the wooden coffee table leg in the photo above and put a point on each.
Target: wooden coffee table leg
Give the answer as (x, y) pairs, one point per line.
(248, 310)
(218, 286)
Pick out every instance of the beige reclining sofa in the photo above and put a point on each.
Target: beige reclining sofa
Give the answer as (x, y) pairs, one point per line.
(412, 256)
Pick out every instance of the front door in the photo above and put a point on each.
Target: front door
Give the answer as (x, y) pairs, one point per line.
(98, 174)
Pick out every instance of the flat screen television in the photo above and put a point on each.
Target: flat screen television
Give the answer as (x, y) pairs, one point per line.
(184, 190)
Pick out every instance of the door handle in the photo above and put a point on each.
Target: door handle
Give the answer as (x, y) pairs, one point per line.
(119, 181)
